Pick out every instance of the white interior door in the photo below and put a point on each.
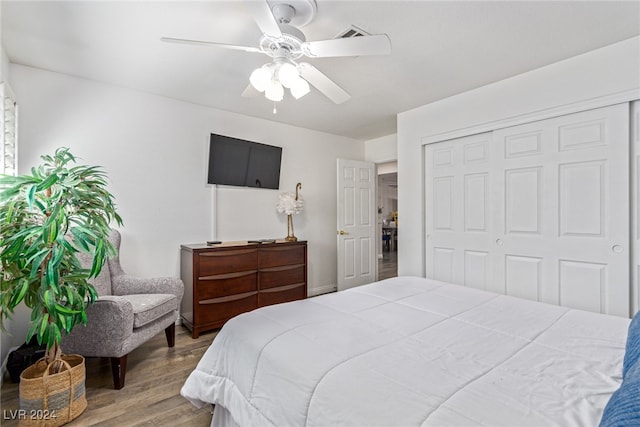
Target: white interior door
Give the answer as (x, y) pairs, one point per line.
(563, 210)
(356, 236)
(458, 191)
(550, 207)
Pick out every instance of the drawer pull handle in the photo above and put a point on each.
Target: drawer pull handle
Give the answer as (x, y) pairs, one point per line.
(281, 288)
(228, 253)
(228, 275)
(227, 299)
(282, 268)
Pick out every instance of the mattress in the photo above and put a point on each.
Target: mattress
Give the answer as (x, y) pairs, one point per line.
(410, 351)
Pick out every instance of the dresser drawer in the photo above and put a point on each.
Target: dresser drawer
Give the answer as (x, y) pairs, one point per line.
(283, 294)
(278, 256)
(219, 310)
(226, 284)
(273, 277)
(221, 262)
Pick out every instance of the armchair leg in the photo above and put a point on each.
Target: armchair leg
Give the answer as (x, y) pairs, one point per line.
(118, 369)
(170, 332)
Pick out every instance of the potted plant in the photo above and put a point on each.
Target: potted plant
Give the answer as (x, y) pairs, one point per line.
(46, 218)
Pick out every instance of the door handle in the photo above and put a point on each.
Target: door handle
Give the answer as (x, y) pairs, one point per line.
(342, 232)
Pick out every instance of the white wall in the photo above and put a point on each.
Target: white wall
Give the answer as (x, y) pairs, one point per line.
(609, 74)
(383, 149)
(4, 65)
(154, 150)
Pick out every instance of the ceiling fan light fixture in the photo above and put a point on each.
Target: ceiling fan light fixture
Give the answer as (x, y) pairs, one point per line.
(300, 88)
(274, 91)
(288, 75)
(261, 77)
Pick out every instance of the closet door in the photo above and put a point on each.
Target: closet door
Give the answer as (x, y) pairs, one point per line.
(556, 206)
(562, 210)
(458, 200)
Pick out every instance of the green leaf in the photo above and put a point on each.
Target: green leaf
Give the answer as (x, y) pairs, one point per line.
(17, 298)
(32, 195)
(47, 183)
(43, 326)
(65, 310)
(36, 261)
(33, 328)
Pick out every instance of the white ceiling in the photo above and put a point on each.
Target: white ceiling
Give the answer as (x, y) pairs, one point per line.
(439, 49)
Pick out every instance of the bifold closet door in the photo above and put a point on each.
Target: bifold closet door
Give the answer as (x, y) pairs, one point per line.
(556, 210)
(457, 206)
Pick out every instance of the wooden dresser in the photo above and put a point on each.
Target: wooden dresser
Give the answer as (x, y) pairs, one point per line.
(224, 280)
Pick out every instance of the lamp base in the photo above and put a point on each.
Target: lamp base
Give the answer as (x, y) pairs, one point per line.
(290, 236)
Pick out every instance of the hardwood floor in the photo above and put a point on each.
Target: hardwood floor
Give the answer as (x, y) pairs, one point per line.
(388, 265)
(151, 395)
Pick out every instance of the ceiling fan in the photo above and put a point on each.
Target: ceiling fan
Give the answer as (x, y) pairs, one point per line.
(282, 40)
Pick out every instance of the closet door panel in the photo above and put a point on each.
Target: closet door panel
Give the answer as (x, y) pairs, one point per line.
(458, 203)
(520, 205)
(564, 201)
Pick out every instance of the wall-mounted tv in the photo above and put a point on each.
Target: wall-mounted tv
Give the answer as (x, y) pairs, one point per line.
(243, 163)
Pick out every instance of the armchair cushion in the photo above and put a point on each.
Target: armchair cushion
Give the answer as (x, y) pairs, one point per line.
(109, 324)
(149, 307)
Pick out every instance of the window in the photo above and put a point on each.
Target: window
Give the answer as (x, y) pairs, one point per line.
(9, 132)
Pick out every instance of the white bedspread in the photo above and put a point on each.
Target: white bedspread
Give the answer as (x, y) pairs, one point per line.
(412, 352)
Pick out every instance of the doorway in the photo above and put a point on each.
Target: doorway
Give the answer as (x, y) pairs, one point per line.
(387, 220)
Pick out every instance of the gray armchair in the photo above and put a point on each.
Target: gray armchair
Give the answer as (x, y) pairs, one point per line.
(129, 311)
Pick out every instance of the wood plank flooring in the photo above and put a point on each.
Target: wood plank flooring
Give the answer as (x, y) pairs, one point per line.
(388, 265)
(151, 395)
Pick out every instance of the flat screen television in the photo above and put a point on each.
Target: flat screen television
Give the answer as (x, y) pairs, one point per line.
(243, 163)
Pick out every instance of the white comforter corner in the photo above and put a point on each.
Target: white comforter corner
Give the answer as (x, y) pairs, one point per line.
(412, 352)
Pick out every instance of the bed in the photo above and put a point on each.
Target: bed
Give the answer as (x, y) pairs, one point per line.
(411, 351)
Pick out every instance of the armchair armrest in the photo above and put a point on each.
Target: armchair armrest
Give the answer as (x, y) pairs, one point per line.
(125, 284)
(109, 324)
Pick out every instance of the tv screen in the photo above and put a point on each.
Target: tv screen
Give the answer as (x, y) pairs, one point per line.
(243, 163)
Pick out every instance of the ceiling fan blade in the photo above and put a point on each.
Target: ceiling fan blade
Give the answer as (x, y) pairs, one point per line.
(206, 43)
(250, 92)
(379, 44)
(323, 83)
(261, 12)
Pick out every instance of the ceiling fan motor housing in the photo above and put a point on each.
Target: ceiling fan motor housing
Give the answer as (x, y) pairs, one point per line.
(291, 40)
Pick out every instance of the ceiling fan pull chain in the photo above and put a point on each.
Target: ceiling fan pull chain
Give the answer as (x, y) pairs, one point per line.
(274, 107)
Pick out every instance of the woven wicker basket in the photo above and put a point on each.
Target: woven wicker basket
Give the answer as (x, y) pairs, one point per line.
(52, 399)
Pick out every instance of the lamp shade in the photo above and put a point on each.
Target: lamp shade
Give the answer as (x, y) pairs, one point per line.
(300, 88)
(274, 91)
(288, 75)
(261, 77)
(288, 204)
